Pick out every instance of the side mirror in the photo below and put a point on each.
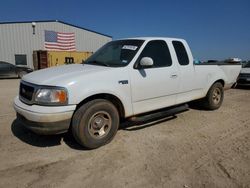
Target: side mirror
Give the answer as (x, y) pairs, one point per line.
(146, 62)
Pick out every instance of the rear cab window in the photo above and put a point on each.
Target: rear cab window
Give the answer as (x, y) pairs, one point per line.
(181, 52)
(157, 50)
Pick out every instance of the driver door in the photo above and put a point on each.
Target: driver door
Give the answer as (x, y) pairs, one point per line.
(154, 87)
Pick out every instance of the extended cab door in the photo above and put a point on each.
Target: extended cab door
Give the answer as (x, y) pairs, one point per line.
(187, 90)
(154, 87)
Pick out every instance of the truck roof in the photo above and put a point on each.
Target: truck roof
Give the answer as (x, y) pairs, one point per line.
(153, 38)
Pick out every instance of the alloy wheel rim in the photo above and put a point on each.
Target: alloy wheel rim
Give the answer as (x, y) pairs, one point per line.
(216, 97)
(99, 124)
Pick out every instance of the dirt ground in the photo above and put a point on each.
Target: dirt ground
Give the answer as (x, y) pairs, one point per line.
(193, 149)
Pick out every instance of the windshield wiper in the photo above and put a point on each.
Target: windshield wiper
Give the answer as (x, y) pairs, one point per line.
(97, 63)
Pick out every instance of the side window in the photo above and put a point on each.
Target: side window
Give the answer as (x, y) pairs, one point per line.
(159, 52)
(181, 53)
(21, 59)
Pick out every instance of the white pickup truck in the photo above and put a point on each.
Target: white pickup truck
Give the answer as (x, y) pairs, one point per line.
(122, 79)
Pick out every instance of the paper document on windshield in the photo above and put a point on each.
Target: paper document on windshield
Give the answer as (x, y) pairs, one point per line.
(129, 47)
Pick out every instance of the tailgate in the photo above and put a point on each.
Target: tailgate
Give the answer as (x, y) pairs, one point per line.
(232, 71)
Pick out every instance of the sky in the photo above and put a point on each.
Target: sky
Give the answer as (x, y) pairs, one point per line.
(214, 29)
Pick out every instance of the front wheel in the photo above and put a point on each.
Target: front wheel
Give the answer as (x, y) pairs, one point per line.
(95, 123)
(214, 97)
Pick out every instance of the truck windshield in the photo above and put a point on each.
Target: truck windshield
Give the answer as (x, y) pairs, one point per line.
(116, 53)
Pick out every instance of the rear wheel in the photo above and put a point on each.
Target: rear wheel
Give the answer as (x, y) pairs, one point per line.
(95, 123)
(214, 97)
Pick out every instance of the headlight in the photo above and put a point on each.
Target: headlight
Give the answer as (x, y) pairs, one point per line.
(51, 96)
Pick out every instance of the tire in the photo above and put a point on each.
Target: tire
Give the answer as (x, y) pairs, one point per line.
(21, 74)
(214, 97)
(95, 123)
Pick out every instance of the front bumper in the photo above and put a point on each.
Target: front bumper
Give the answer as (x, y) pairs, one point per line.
(44, 119)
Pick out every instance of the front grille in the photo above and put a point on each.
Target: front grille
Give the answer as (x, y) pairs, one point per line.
(26, 92)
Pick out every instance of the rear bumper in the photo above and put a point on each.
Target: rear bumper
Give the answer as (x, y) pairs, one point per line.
(44, 119)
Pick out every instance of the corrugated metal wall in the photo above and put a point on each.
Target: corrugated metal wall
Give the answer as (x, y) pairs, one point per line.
(18, 38)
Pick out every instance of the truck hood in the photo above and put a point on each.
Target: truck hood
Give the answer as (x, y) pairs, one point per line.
(62, 74)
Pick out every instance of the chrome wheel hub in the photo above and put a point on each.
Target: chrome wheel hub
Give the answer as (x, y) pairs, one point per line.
(99, 124)
(216, 96)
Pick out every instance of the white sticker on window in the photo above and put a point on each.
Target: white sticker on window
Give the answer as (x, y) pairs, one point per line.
(129, 47)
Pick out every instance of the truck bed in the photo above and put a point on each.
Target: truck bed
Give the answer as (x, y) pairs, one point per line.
(230, 70)
(219, 63)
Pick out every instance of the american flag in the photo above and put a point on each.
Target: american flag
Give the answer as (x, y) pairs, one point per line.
(59, 41)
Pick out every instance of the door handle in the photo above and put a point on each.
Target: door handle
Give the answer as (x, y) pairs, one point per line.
(173, 76)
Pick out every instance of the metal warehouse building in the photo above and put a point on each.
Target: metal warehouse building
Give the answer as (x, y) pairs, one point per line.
(18, 40)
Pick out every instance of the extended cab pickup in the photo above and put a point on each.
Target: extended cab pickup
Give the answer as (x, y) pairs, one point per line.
(122, 79)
